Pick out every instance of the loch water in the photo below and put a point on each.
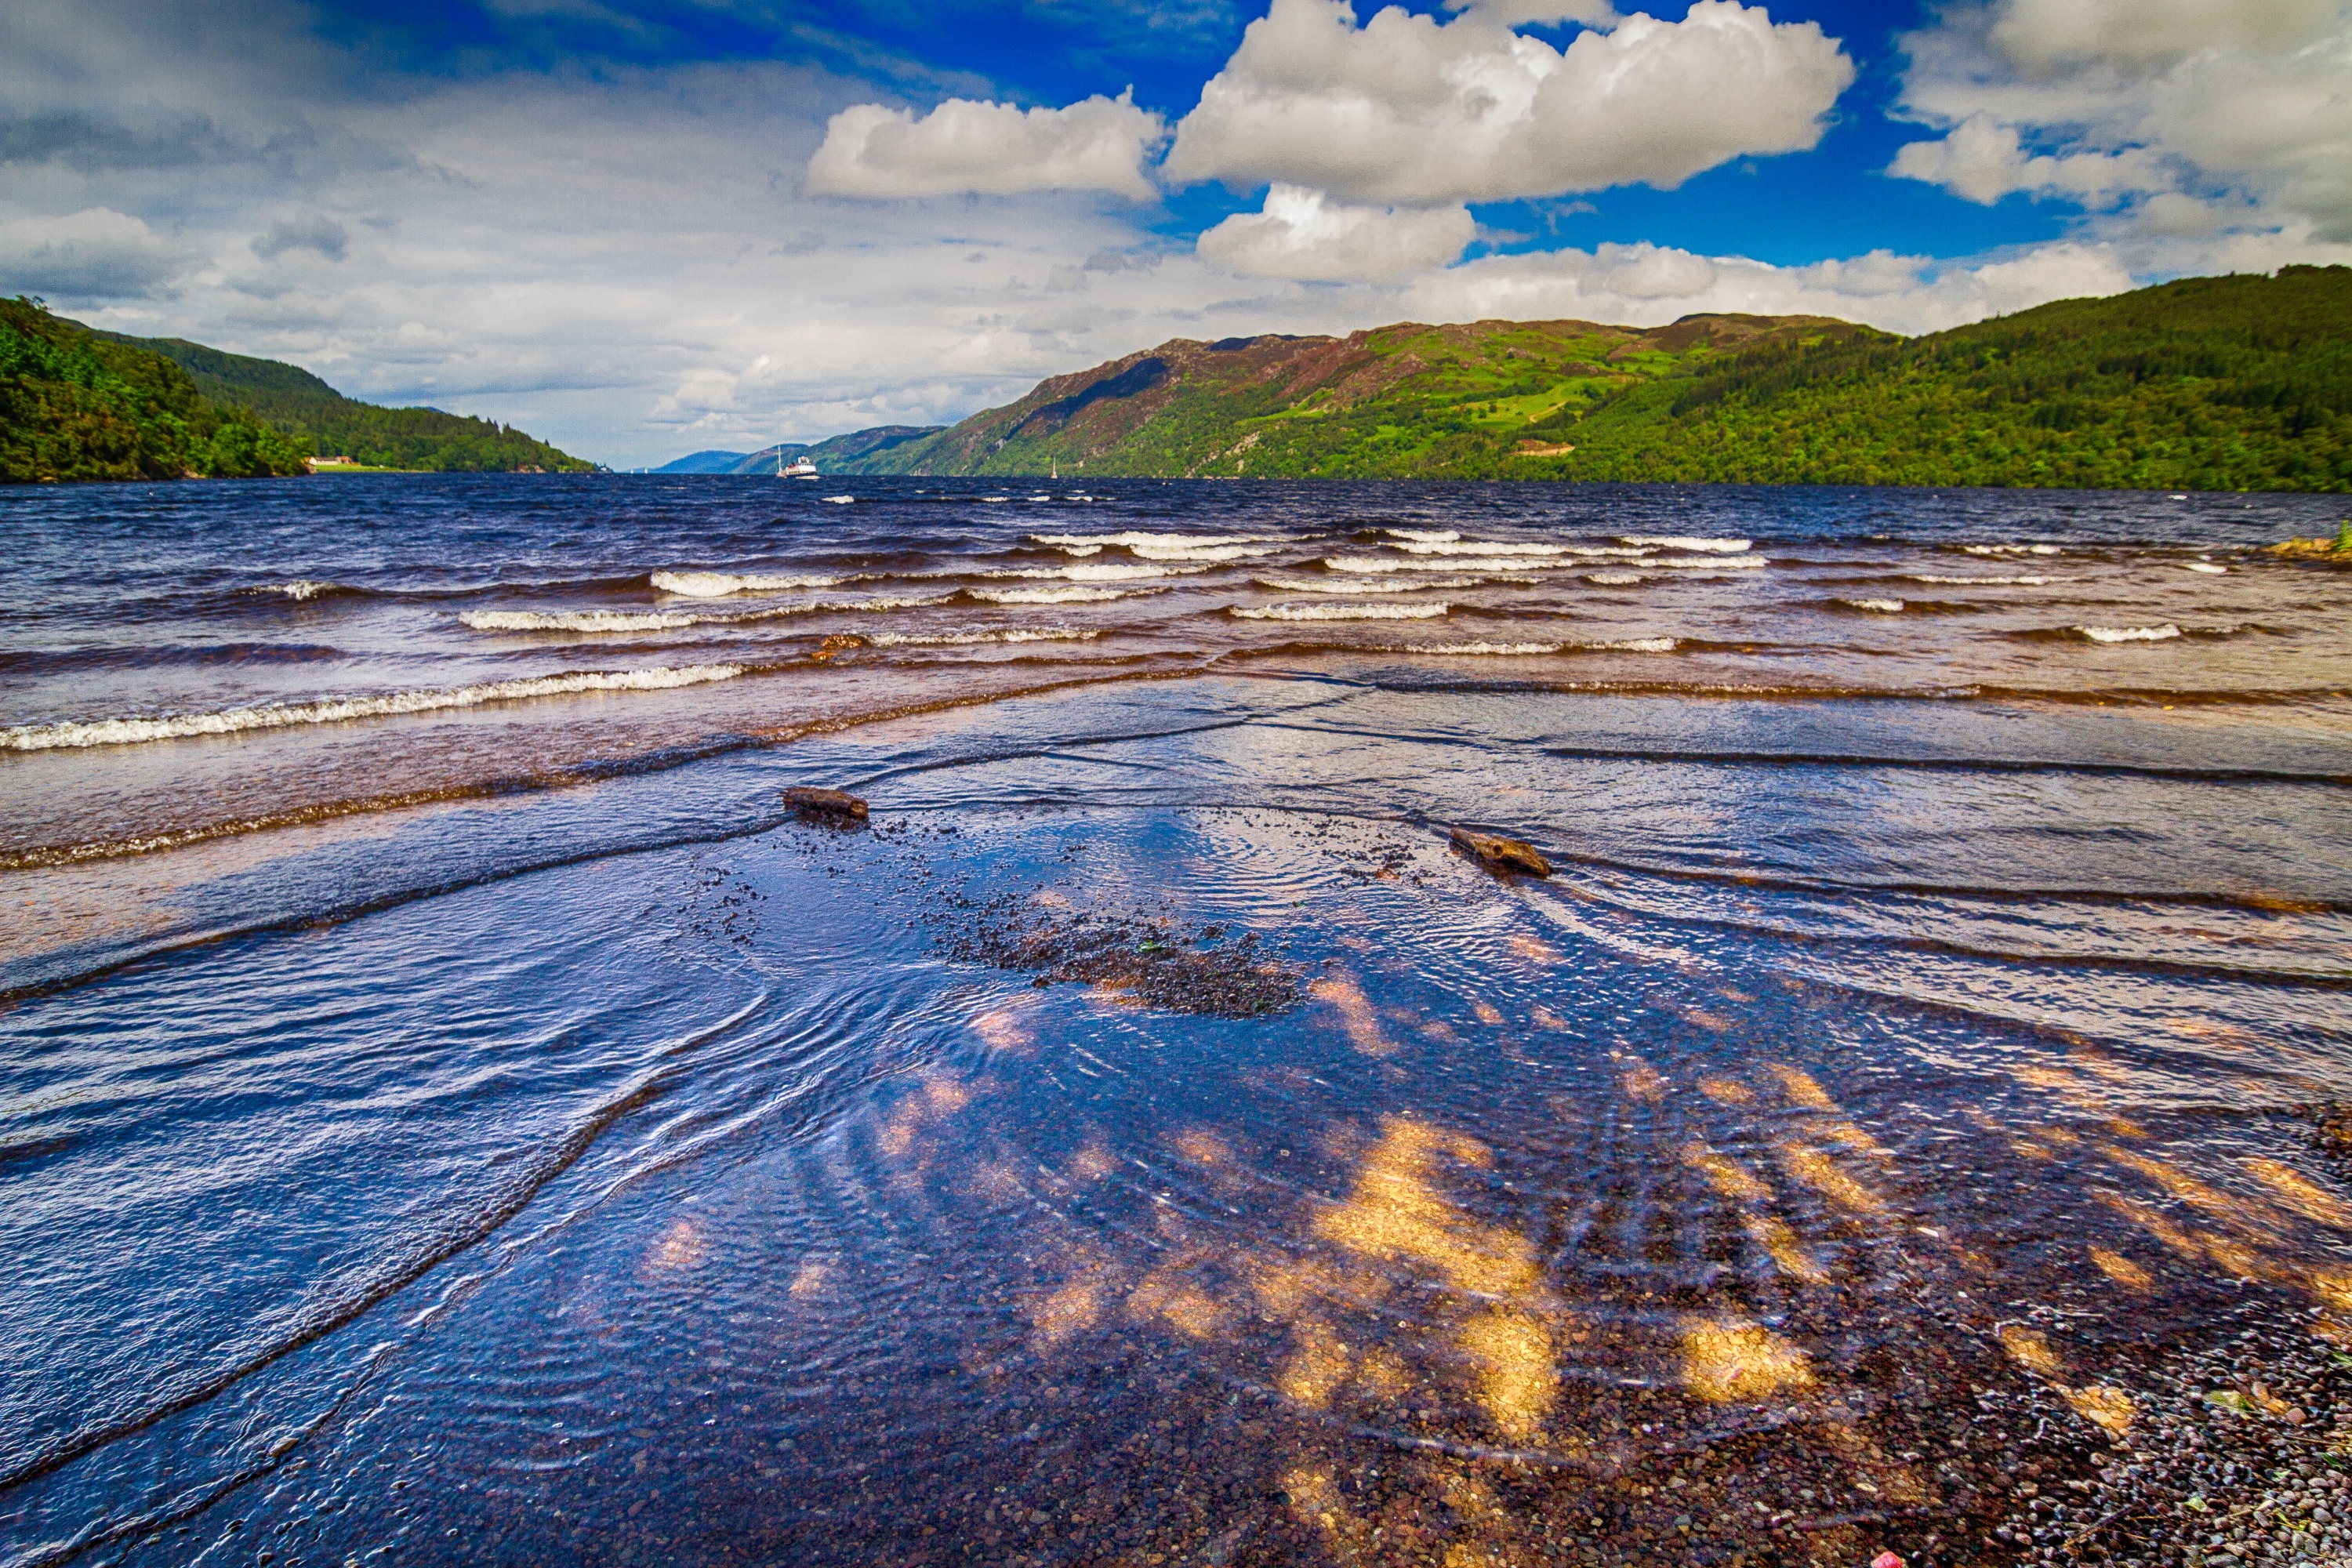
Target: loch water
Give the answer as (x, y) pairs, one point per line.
(451, 1111)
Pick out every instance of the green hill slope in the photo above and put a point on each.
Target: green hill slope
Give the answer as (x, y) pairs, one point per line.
(2241, 382)
(1397, 402)
(309, 410)
(75, 405)
(2212, 383)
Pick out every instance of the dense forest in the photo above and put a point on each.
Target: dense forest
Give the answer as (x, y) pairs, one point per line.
(2239, 382)
(328, 424)
(2210, 384)
(74, 406)
(77, 403)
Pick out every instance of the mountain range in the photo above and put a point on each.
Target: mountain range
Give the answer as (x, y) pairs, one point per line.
(2216, 384)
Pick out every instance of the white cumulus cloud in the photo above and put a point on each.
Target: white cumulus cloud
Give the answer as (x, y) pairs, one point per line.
(1305, 234)
(1409, 109)
(97, 253)
(991, 148)
(2241, 105)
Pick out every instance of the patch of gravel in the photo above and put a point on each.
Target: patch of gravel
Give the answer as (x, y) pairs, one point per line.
(1159, 962)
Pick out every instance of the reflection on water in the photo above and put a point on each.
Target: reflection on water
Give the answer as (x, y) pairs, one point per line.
(1704, 1202)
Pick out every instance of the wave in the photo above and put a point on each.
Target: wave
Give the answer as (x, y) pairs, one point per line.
(719, 585)
(961, 639)
(1685, 541)
(1082, 550)
(331, 710)
(1073, 595)
(1875, 607)
(1615, 579)
(2208, 567)
(839, 501)
(1634, 645)
(305, 588)
(1204, 552)
(1339, 612)
(1474, 649)
(1102, 572)
(1376, 564)
(1424, 536)
(1476, 547)
(1709, 563)
(2164, 633)
(1133, 538)
(1981, 581)
(2009, 550)
(580, 620)
(1360, 586)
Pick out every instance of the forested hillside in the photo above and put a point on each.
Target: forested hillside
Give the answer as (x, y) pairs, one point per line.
(2240, 383)
(74, 406)
(2212, 383)
(330, 425)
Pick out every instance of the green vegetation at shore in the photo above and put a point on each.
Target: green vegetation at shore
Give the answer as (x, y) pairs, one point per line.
(330, 425)
(2239, 382)
(74, 406)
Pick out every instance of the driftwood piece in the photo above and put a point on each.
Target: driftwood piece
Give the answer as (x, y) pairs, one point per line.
(839, 805)
(1497, 853)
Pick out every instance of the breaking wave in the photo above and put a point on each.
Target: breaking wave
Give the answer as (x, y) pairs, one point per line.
(961, 639)
(1424, 536)
(719, 585)
(2164, 633)
(1474, 649)
(1359, 584)
(1476, 547)
(1072, 595)
(1875, 607)
(2009, 550)
(1981, 581)
(1682, 542)
(1339, 612)
(1132, 538)
(1102, 572)
(579, 620)
(1615, 579)
(332, 711)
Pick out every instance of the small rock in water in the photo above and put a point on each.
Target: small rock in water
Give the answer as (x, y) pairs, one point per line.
(1499, 853)
(839, 805)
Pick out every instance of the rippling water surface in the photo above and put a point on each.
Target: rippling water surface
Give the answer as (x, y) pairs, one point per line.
(448, 1111)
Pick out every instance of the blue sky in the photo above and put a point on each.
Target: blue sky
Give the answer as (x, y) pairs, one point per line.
(640, 229)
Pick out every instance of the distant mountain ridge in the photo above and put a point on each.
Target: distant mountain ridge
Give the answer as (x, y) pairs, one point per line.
(2236, 383)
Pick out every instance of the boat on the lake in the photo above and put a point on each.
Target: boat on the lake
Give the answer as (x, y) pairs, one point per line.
(800, 469)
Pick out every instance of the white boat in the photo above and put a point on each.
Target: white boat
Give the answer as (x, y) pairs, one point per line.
(801, 468)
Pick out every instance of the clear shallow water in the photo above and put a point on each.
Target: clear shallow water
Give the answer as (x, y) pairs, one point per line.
(623, 1173)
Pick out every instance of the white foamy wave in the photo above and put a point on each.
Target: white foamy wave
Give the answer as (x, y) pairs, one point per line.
(1101, 572)
(719, 585)
(996, 501)
(278, 716)
(961, 639)
(2129, 634)
(1615, 579)
(1683, 542)
(1472, 650)
(303, 588)
(1082, 550)
(1424, 536)
(2208, 567)
(1378, 564)
(879, 602)
(1634, 645)
(1981, 581)
(1478, 547)
(1876, 606)
(578, 620)
(839, 501)
(1357, 585)
(1072, 595)
(1131, 539)
(1206, 552)
(1709, 563)
(2008, 549)
(1339, 612)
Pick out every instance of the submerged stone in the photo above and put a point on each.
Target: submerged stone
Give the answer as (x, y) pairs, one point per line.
(1500, 854)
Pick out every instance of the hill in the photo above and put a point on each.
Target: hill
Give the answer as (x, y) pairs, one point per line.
(77, 406)
(2239, 382)
(1404, 401)
(330, 424)
(705, 462)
